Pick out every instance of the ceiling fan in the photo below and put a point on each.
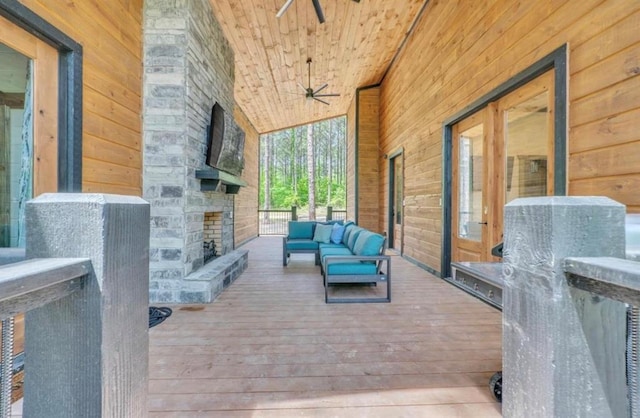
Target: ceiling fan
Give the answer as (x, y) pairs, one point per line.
(310, 93)
(316, 5)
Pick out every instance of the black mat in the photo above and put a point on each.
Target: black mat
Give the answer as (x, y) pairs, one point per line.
(158, 315)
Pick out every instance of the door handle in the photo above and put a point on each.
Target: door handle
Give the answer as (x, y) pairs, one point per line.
(483, 223)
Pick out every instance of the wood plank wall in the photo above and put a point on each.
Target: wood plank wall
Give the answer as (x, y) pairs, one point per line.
(368, 156)
(245, 215)
(111, 36)
(110, 33)
(462, 50)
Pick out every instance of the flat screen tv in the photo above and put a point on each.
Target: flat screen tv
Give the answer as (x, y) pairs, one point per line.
(215, 135)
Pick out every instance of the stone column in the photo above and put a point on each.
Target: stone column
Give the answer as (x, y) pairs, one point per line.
(87, 354)
(563, 348)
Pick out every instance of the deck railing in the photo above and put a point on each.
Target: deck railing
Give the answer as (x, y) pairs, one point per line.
(275, 222)
(25, 286)
(570, 317)
(336, 214)
(84, 292)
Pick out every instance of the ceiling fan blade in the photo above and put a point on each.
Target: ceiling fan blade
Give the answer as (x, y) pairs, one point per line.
(327, 95)
(322, 87)
(284, 8)
(302, 87)
(316, 5)
(321, 101)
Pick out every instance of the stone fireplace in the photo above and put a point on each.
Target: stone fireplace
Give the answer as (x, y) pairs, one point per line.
(189, 66)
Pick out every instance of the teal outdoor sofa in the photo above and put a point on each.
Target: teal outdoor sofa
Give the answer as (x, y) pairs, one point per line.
(346, 254)
(358, 259)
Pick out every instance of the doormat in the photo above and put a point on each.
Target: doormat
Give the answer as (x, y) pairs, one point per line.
(158, 315)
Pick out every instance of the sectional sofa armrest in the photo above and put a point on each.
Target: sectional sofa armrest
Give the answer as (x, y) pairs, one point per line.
(382, 275)
(290, 246)
(284, 250)
(357, 257)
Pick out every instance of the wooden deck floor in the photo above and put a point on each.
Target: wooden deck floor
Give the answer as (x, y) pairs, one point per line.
(270, 347)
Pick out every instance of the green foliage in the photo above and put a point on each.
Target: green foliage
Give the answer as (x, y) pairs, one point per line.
(284, 178)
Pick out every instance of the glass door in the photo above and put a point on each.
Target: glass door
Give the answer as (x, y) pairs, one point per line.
(28, 132)
(469, 188)
(503, 152)
(396, 200)
(525, 143)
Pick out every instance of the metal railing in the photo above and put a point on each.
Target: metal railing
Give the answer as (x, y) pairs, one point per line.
(336, 214)
(275, 222)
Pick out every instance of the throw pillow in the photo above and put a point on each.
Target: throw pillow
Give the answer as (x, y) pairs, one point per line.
(336, 233)
(368, 243)
(348, 226)
(323, 233)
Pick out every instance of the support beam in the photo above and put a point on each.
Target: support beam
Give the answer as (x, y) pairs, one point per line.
(87, 354)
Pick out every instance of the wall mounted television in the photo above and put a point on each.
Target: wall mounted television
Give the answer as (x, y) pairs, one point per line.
(215, 135)
(225, 142)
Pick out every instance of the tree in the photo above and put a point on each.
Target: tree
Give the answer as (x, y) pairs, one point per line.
(311, 166)
(330, 163)
(288, 173)
(267, 175)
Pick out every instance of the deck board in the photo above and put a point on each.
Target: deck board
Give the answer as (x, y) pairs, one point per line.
(270, 347)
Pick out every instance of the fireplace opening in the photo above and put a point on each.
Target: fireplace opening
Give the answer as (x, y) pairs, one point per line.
(211, 235)
(209, 251)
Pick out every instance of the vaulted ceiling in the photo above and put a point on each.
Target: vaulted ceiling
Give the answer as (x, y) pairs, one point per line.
(353, 48)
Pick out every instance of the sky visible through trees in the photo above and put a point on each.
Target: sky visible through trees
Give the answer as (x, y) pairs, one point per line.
(294, 158)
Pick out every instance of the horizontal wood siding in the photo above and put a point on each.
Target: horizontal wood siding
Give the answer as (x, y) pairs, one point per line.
(111, 36)
(368, 156)
(245, 215)
(460, 51)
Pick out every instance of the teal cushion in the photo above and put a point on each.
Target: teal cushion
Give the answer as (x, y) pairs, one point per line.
(301, 229)
(302, 244)
(323, 233)
(334, 251)
(322, 245)
(347, 231)
(336, 233)
(368, 244)
(354, 236)
(350, 267)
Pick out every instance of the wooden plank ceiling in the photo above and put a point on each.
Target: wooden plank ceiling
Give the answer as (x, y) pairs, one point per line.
(353, 48)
